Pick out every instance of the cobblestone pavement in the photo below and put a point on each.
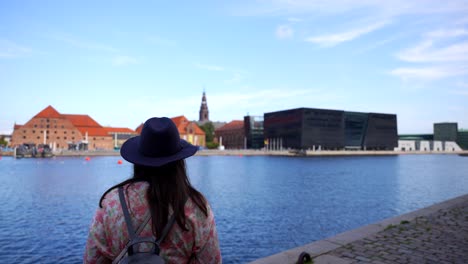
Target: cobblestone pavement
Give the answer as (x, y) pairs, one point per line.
(440, 237)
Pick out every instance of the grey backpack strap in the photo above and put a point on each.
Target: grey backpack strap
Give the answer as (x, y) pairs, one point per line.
(131, 233)
(128, 220)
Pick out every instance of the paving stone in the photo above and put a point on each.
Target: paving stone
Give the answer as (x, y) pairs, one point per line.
(437, 234)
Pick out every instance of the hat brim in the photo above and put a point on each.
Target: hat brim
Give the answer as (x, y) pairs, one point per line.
(129, 151)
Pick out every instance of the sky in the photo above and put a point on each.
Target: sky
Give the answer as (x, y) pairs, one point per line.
(122, 62)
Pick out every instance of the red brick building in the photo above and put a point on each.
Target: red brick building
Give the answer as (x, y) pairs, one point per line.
(61, 131)
(231, 135)
(188, 131)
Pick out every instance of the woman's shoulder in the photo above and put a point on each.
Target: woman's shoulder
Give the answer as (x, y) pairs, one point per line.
(195, 213)
(133, 191)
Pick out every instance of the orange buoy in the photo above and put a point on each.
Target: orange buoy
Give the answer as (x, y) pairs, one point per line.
(119, 162)
(87, 158)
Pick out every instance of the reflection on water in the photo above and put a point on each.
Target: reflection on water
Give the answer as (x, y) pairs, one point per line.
(262, 205)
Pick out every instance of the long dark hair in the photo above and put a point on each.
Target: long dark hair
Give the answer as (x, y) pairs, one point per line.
(168, 186)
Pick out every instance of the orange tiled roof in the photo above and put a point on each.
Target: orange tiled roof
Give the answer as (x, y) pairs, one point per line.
(84, 123)
(235, 124)
(183, 124)
(82, 120)
(49, 112)
(139, 128)
(119, 130)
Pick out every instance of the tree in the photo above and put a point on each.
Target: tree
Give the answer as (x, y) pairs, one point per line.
(3, 142)
(208, 128)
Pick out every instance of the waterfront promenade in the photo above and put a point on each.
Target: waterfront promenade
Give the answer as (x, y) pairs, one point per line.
(436, 234)
(250, 152)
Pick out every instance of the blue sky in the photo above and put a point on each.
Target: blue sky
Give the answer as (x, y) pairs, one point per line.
(122, 62)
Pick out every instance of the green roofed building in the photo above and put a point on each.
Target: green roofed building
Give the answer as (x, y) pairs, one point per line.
(416, 137)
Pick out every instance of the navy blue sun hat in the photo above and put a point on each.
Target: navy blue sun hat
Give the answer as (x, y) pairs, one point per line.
(158, 144)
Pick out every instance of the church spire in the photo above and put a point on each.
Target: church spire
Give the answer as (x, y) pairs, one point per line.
(204, 114)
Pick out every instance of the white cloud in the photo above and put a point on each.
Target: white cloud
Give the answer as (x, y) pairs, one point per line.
(209, 67)
(124, 60)
(459, 92)
(284, 31)
(442, 51)
(335, 39)
(427, 52)
(428, 73)
(447, 33)
(9, 49)
(392, 8)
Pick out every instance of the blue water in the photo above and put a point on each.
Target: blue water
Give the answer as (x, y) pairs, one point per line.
(262, 205)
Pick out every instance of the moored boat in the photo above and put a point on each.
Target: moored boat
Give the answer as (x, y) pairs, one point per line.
(30, 150)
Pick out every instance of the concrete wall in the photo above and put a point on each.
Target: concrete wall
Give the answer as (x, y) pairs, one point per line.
(426, 145)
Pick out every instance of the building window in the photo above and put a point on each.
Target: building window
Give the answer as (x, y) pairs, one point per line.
(47, 126)
(58, 137)
(73, 137)
(24, 131)
(64, 132)
(73, 132)
(64, 137)
(47, 137)
(38, 137)
(94, 138)
(34, 131)
(55, 132)
(55, 126)
(47, 120)
(24, 137)
(35, 125)
(63, 126)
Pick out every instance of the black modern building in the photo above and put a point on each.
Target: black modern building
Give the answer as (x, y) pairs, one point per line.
(253, 126)
(311, 128)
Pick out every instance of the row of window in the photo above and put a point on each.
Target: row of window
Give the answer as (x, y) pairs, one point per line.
(47, 137)
(47, 126)
(47, 120)
(55, 132)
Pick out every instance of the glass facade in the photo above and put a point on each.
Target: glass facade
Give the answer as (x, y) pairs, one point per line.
(286, 125)
(355, 129)
(381, 133)
(462, 139)
(324, 128)
(310, 128)
(445, 131)
(253, 126)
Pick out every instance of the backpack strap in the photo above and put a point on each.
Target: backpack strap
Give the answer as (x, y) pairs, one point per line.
(133, 235)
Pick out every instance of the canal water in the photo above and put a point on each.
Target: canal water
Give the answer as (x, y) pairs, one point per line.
(262, 205)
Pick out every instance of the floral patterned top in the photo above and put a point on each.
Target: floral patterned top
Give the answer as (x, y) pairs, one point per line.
(108, 233)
